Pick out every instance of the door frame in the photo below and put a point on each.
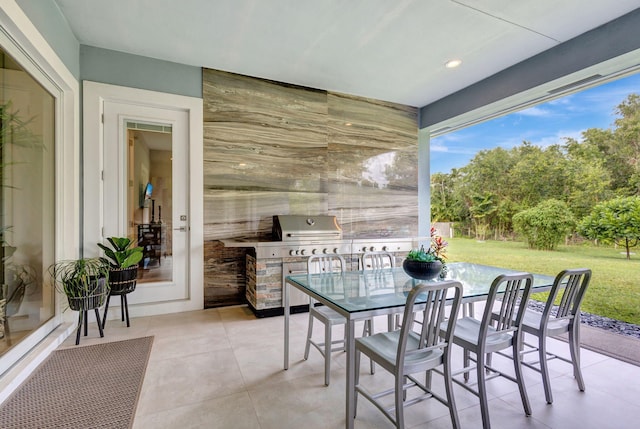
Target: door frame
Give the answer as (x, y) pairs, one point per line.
(94, 96)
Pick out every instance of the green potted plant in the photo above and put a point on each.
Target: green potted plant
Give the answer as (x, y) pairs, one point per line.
(122, 260)
(85, 283)
(427, 264)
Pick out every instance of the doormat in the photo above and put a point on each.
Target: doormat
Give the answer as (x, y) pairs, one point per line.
(93, 386)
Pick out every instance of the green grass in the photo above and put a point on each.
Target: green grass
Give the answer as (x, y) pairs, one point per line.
(615, 284)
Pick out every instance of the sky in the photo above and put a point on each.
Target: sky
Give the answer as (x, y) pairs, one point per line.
(542, 125)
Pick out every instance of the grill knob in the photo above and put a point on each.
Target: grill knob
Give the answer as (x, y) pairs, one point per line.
(385, 248)
(314, 251)
(325, 251)
(302, 252)
(335, 250)
(372, 248)
(292, 252)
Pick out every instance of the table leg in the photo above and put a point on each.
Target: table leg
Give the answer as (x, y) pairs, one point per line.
(351, 374)
(285, 299)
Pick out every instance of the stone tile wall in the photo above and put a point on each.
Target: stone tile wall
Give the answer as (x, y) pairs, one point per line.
(273, 148)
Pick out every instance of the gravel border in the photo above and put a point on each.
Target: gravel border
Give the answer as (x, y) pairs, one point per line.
(612, 325)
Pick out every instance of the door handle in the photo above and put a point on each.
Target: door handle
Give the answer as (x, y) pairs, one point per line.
(182, 228)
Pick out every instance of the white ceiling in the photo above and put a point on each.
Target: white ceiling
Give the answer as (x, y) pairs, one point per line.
(391, 50)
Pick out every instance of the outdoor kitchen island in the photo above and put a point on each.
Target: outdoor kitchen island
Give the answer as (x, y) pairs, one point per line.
(295, 238)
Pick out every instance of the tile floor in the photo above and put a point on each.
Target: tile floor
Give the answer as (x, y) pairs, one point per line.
(222, 368)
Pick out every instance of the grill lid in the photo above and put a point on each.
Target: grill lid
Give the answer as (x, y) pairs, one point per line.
(301, 227)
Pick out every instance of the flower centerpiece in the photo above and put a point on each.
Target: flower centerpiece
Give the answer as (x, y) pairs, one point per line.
(427, 264)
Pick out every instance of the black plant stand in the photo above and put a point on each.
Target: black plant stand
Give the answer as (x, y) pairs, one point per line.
(82, 304)
(122, 281)
(124, 308)
(83, 316)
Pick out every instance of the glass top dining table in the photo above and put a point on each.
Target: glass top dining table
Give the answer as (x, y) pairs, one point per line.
(360, 295)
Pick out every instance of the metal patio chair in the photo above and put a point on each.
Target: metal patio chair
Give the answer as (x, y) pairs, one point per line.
(329, 263)
(566, 319)
(415, 349)
(496, 331)
(376, 261)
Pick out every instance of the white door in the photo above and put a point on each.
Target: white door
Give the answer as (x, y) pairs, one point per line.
(146, 194)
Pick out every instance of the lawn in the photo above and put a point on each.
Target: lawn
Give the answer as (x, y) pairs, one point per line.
(615, 284)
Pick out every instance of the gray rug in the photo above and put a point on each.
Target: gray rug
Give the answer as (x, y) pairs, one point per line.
(93, 386)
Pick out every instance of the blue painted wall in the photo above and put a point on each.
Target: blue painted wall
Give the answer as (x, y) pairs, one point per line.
(106, 66)
(47, 18)
(119, 68)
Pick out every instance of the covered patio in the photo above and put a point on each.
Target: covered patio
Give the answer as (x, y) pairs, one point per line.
(241, 359)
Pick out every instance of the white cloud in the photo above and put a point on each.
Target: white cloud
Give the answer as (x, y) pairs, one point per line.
(536, 111)
(438, 148)
(557, 138)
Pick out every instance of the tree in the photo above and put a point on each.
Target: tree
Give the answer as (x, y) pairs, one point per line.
(614, 221)
(545, 225)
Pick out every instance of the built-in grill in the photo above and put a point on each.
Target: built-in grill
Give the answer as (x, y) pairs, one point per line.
(293, 239)
(298, 228)
(300, 235)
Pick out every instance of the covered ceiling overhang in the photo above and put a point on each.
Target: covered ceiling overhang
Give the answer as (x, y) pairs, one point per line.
(604, 53)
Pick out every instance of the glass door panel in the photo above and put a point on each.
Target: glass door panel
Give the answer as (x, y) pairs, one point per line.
(26, 203)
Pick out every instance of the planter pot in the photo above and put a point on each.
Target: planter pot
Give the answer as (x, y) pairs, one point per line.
(123, 280)
(422, 270)
(93, 298)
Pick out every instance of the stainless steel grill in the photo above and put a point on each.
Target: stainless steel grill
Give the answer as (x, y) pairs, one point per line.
(294, 238)
(296, 228)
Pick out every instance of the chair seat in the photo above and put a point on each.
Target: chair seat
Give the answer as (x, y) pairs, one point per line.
(383, 348)
(327, 315)
(532, 321)
(468, 332)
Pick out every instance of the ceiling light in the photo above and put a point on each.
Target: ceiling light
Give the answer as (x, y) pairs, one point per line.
(451, 64)
(348, 124)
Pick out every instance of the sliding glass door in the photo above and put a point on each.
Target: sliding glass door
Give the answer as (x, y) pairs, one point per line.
(27, 117)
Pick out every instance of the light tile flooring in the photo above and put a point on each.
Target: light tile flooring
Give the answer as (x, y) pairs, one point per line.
(222, 368)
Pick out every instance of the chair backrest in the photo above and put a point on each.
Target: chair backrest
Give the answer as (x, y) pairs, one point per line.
(514, 290)
(327, 263)
(377, 260)
(574, 285)
(434, 313)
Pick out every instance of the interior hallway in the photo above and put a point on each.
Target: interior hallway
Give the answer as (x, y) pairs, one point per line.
(222, 368)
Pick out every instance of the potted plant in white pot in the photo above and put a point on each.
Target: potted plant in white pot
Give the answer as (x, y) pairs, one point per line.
(85, 283)
(122, 260)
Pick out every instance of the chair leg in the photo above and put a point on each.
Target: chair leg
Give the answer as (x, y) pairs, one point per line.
(355, 395)
(488, 360)
(399, 399)
(544, 368)
(327, 353)
(368, 330)
(482, 390)
(465, 362)
(517, 364)
(448, 386)
(99, 322)
(309, 332)
(574, 348)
